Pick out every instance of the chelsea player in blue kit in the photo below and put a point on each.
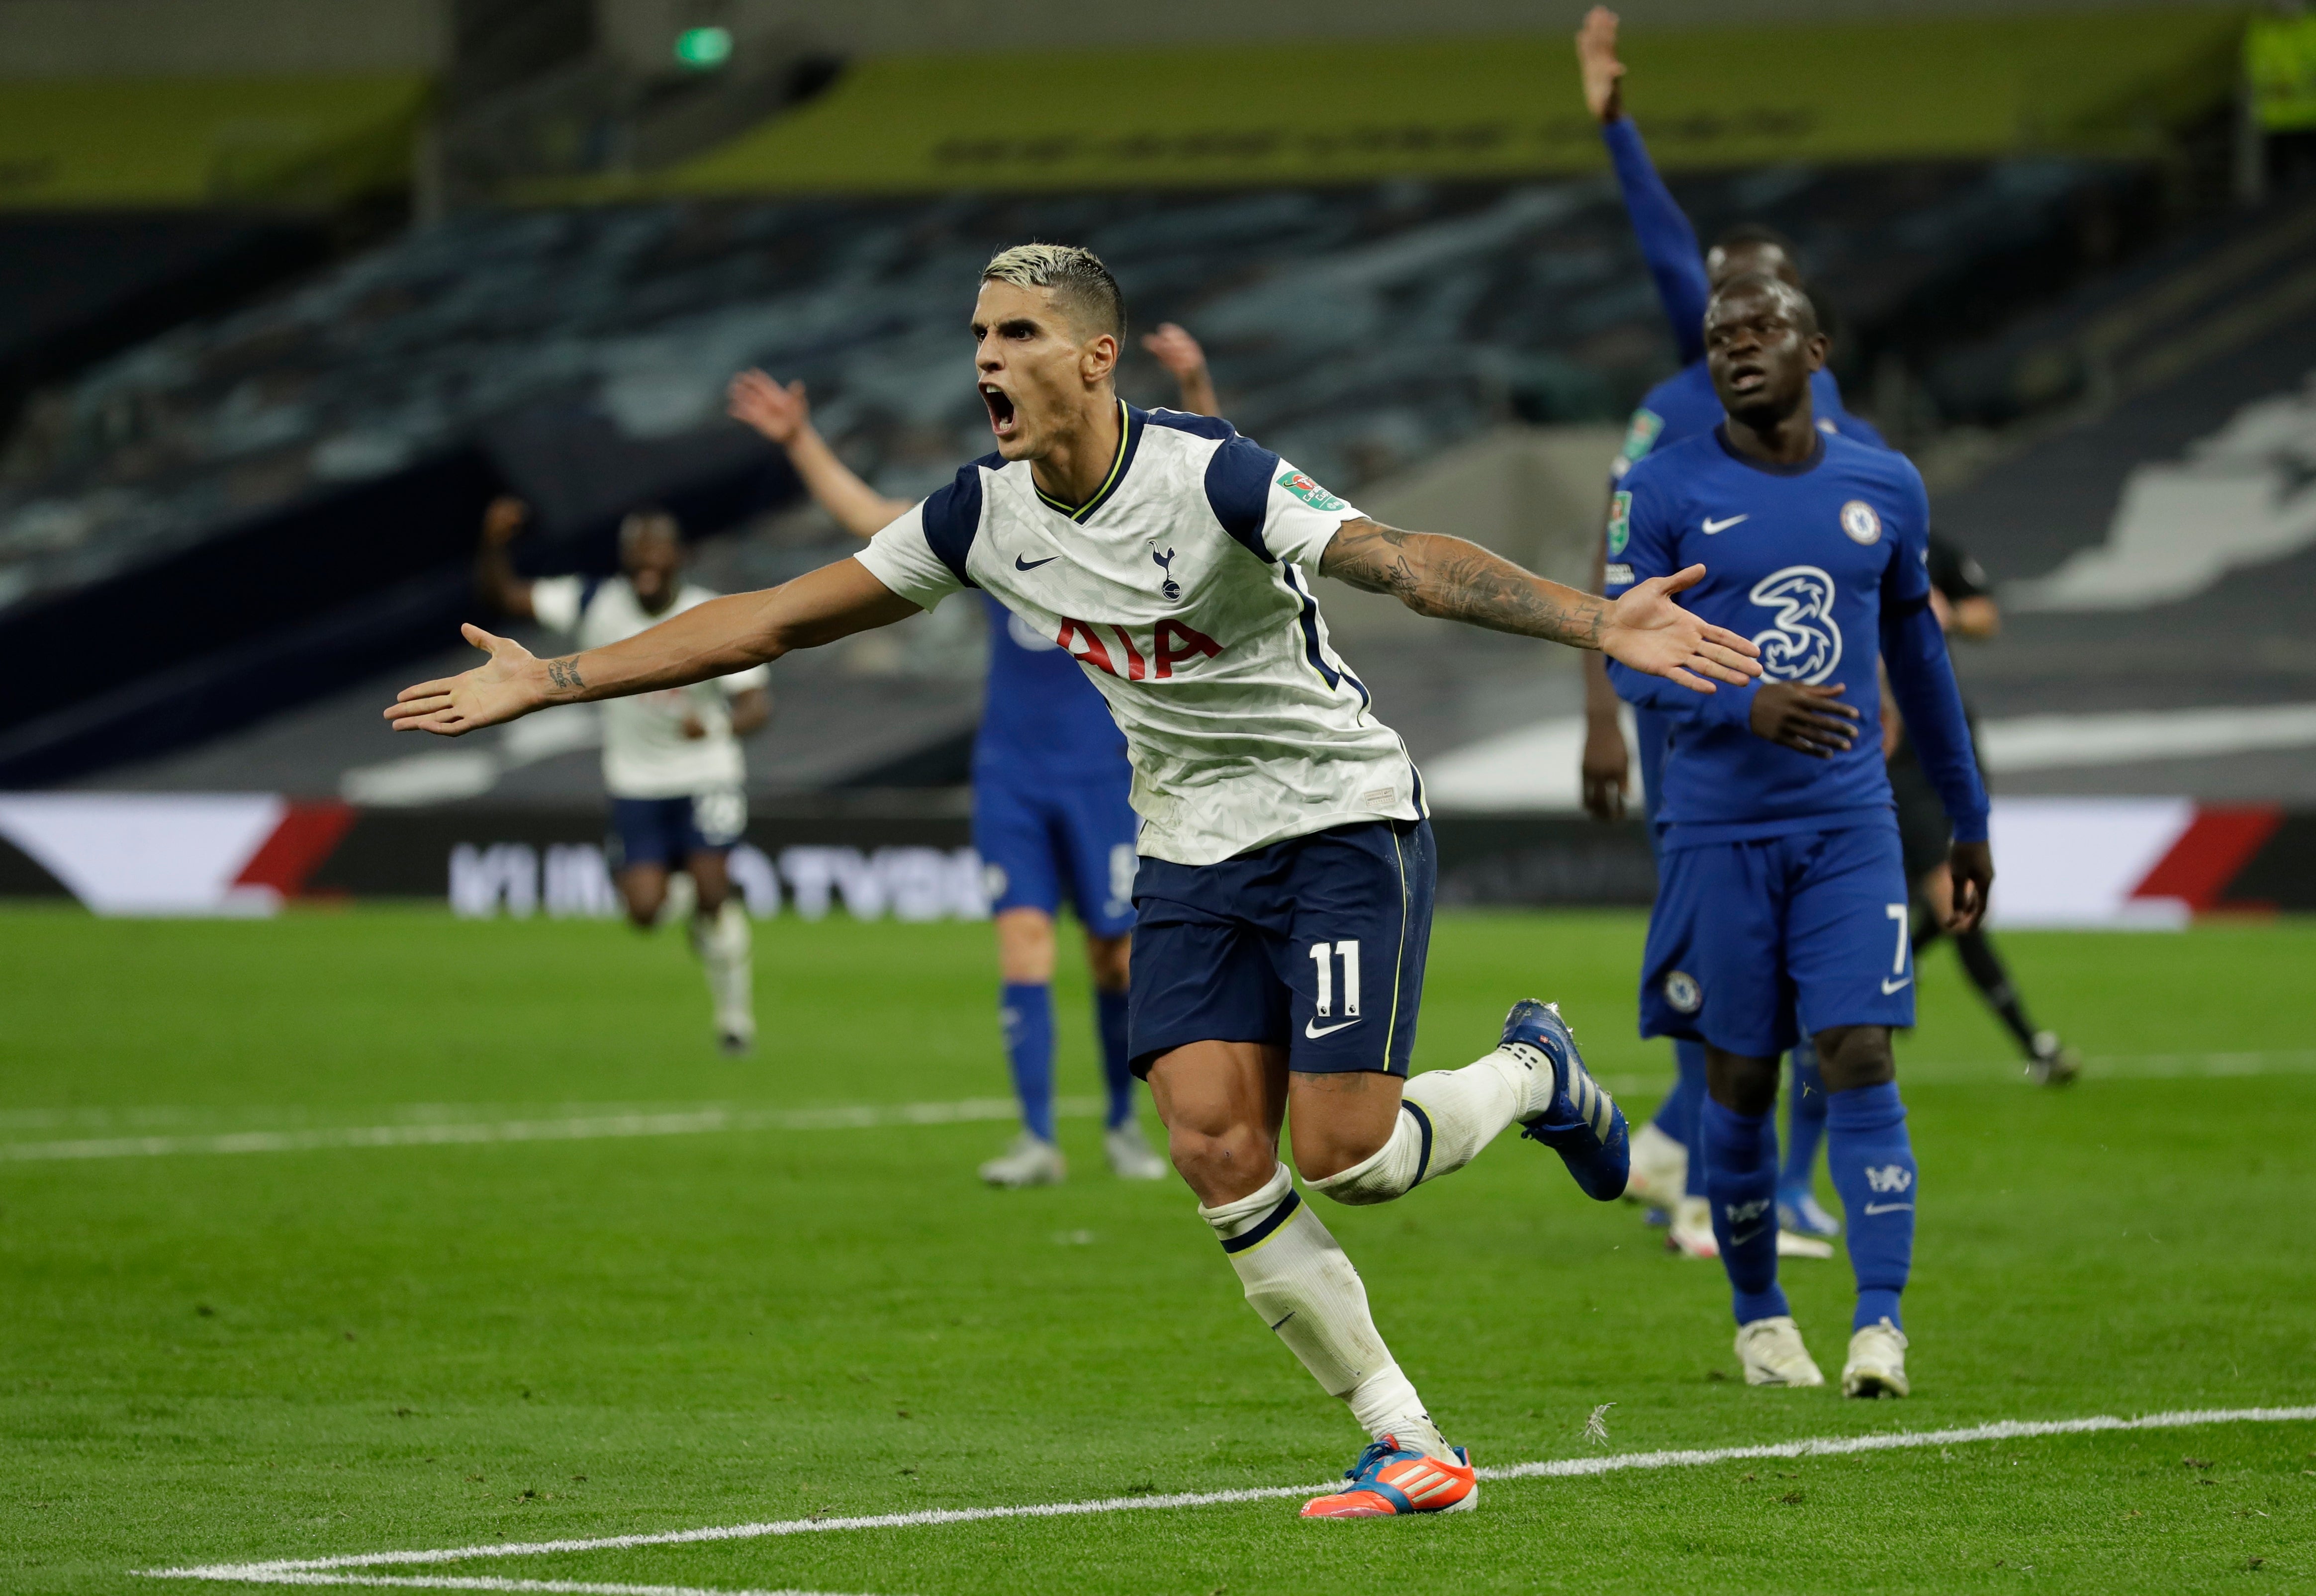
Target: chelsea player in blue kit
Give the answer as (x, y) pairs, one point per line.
(1683, 406)
(1782, 907)
(1050, 816)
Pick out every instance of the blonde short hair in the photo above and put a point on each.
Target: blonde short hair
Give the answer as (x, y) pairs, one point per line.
(1076, 276)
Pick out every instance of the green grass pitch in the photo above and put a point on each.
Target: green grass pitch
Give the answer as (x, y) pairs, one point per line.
(226, 1357)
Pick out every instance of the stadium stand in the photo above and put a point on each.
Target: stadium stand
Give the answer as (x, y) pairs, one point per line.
(250, 496)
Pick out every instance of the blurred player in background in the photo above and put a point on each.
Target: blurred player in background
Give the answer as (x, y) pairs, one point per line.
(1775, 817)
(1050, 817)
(1964, 600)
(1683, 406)
(1286, 869)
(671, 760)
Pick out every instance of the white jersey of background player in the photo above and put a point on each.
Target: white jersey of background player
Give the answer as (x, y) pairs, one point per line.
(671, 759)
(1116, 531)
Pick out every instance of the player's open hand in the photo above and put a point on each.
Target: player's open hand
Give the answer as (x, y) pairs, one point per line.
(1176, 350)
(1808, 720)
(1971, 866)
(1648, 631)
(1596, 60)
(507, 686)
(781, 413)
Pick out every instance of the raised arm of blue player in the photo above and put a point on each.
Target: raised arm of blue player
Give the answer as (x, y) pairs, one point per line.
(1668, 242)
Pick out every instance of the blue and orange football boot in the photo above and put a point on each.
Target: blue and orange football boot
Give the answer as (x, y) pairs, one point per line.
(1386, 1481)
(1583, 1122)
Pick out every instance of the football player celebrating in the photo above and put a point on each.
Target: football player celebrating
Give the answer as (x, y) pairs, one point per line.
(1782, 889)
(1284, 896)
(1683, 406)
(671, 759)
(1050, 814)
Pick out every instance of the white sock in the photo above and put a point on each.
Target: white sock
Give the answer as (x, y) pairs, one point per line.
(1445, 1117)
(1298, 1279)
(727, 943)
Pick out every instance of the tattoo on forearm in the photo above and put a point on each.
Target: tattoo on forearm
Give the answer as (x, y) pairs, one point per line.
(1458, 581)
(564, 672)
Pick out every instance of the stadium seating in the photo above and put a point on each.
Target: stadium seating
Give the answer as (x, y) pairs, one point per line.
(579, 356)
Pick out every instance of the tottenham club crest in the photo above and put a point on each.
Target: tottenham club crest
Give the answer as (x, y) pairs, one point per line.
(1859, 521)
(1170, 587)
(1802, 644)
(1681, 991)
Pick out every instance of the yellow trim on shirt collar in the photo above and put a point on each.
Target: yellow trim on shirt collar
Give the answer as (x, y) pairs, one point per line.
(1125, 422)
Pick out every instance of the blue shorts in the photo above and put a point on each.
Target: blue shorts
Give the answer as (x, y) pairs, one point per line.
(1753, 943)
(1039, 844)
(1315, 944)
(667, 831)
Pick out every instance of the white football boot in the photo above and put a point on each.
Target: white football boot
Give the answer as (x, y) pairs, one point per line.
(1691, 1233)
(1877, 1362)
(1030, 1161)
(2055, 1064)
(1790, 1246)
(1130, 1157)
(1772, 1352)
(1659, 1169)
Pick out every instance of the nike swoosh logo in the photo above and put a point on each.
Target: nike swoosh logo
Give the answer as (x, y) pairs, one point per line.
(1886, 1208)
(1711, 527)
(1290, 1314)
(1737, 1240)
(1021, 564)
(1312, 1028)
(1889, 986)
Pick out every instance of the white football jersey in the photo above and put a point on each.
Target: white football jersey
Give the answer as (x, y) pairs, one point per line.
(1180, 588)
(645, 754)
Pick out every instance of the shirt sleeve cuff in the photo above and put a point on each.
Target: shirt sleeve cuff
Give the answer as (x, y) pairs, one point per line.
(1970, 827)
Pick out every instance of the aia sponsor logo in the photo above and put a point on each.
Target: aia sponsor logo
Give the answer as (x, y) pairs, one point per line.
(1173, 643)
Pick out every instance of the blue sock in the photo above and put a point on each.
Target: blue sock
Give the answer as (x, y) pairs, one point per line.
(1676, 1116)
(1741, 1182)
(1109, 1023)
(1872, 1164)
(1027, 1010)
(1804, 1120)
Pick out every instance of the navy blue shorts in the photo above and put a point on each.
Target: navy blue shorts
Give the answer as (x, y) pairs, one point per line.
(1752, 943)
(667, 831)
(1315, 944)
(1073, 840)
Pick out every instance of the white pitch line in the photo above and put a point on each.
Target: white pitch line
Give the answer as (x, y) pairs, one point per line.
(444, 1582)
(724, 1117)
(277, 1571)
(576, 1127)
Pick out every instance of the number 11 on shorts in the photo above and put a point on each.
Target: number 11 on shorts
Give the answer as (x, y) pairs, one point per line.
(1323, 955)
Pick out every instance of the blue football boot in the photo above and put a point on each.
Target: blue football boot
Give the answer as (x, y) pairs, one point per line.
(1581, 1123)
(1798, 1211)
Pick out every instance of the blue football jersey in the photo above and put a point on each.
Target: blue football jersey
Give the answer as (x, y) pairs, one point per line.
(1684, 404)
(1803, 560)
(1042, 721)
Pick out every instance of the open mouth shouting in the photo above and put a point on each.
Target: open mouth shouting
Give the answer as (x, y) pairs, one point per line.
(1002, 421)
(1747, 376)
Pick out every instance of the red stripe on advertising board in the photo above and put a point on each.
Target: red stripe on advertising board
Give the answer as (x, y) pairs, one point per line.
(2210, 854)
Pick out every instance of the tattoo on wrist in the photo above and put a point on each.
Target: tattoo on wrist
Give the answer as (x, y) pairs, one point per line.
(564, 672)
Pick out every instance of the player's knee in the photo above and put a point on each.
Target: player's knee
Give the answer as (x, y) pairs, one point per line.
(1747, 1085)
(1852, 1056)
(1222, 1165)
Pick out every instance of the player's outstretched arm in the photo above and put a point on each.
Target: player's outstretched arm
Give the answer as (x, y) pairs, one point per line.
(494, 579)
(1667, 240)
(784, 415)
(716, 638)
(1180, 354)
(1457, 580)
(1606, 762)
